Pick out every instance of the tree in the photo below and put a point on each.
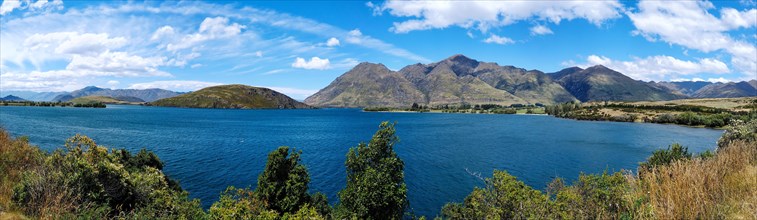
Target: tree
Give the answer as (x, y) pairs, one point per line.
(284, 182)
(375, 179)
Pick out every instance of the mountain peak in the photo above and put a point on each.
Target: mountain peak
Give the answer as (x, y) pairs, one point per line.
(461, 59)
(599, 67)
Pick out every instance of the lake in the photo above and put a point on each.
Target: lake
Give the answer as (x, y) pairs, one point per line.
(210, 149)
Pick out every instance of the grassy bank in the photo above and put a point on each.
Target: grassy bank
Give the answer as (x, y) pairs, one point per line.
(53, 104)
(712, 113)
(89, 181)
(470, 109)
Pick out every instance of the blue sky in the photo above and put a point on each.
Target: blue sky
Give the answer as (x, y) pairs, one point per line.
(298, 47)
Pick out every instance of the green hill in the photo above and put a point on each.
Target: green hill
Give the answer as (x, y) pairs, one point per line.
(233, 97)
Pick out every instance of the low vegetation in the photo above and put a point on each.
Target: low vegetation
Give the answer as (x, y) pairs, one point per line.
(53, 104)
(671, 184)
(89, 181)
(466, 108)
(711, 113)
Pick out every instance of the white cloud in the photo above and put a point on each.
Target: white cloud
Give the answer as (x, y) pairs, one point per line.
(314, 63)
(196, 65)
(174, 85)
(498, 40)
(739, 19)
(484, 15)
(718, 80)
(689, 24)
(658, 68)
(210, 29)
(259, 53)
(162, 32)
(8, 6)
(119, 64)
(74, 43)
(540, 30)
(112, 83)
(332, 42)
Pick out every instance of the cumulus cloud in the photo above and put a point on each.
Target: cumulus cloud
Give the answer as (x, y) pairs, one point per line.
(315, 63)
(9, 6)
(660, 67)
(74, 43)
(494, 39)
(174, 85)
(484, 15)
(540, 30)
(210, 29)
(119, 64)
(332, 42)
(162, 32)
(689, 24)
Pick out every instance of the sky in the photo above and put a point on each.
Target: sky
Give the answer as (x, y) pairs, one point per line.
(299, 47)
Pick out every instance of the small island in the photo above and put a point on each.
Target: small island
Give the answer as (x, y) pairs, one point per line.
(232, 97)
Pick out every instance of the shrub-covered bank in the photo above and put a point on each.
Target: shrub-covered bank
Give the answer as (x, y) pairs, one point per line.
(88, 181)
(664, 114)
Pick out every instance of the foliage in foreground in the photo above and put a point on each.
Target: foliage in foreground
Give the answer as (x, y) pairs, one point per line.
(375, 179)
(87, 180)
(673, 185)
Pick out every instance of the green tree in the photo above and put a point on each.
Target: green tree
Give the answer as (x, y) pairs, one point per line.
(284, 182)
(375, 179)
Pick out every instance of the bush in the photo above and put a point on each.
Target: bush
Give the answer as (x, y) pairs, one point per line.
(739, 130)
(87, 180)
(375, 179)
(665, 157)
(503, 198)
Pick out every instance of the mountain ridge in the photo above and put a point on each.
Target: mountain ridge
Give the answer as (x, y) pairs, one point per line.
(143, 94)
(454, 80)
(461, 80)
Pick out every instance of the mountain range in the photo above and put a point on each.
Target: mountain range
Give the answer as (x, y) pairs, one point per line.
(462, 80)
(137, 95)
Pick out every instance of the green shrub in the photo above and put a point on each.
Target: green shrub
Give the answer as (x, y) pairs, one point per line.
(666, 156)
(375, 179)
(739, 130)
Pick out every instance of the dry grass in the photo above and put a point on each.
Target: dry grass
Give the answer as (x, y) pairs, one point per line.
(723, 187)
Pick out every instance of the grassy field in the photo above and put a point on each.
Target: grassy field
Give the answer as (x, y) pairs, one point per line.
(101, 99)
(744, 104)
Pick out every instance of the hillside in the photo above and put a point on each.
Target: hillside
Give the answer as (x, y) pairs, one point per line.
(142, 94)
(368, 84)
(105, 100)
(455, 80)
(599, 83)
(12, 98)
(33, 96)
(727, 90)
(232, 96)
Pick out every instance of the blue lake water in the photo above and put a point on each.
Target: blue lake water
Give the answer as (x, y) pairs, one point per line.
(210, 149)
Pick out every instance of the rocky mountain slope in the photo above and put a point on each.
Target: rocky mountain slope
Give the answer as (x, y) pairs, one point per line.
(455, 80)
(599, 83)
